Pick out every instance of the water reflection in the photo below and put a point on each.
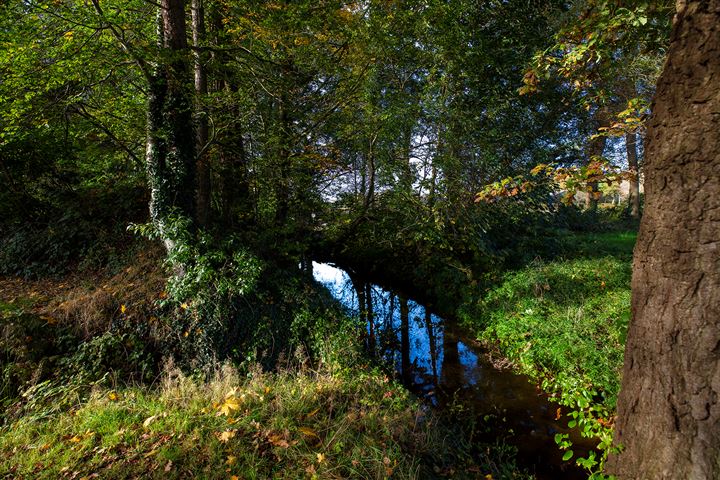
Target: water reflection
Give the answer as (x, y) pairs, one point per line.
(405, 333)
(433, 360)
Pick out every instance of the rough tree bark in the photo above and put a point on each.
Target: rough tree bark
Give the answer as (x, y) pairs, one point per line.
(634, 194)
(668, 409)
(170, 149)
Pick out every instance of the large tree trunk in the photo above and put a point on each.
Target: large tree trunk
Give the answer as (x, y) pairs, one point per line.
(634, 194)
(668, 409)
(170, 152)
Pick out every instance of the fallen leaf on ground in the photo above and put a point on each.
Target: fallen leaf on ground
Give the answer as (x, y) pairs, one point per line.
(226, 435)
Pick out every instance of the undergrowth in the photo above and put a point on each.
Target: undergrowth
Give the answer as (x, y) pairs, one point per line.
(564, 323)
(300, 400)
(294, 423)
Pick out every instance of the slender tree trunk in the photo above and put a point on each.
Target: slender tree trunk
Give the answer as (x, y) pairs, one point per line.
(370, 193)
(202, 194)
(170, 149)
(406, 173)
(432, 345)
(283, 187)
(370, 318)
(450, 376)
(669, 404)
(405, 341)
(634, 195)
(595, 148)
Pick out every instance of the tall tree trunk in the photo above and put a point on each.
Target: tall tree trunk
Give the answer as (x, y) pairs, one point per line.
(370, 193)
(634, 194)
(170, 149)
(595, 148)
(405, 341)
(432, 345)
(202, 194)
(450, 374)
(370, 318)
(406, 171)
(669, 404)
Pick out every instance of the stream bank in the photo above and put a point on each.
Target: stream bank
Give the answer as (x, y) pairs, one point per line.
(441, 363)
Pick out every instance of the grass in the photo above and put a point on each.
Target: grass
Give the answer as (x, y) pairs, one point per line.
(289, 424)
(564, 322)
(567, 318)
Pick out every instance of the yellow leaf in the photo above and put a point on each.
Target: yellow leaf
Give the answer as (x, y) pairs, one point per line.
(308, 432)
(123, 308)
(230, 404)
(225, 436)
(234, 477)
(149, 420)
(320, 457)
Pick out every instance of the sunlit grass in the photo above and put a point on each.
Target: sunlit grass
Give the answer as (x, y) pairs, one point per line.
(292, 424)
(566, 318)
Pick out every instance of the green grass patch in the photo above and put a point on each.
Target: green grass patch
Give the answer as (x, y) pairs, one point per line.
(566, 318)
(563, 319)
(564, 322)
(292, 424)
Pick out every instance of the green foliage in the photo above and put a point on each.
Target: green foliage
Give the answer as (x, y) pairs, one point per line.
(564, 322)
(31, 351)
(74, 233)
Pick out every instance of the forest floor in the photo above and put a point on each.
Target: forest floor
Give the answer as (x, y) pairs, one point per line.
(64, 416)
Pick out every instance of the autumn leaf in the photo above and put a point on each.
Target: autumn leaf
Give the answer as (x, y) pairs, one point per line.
(230, 404)
(149, 420)
(225, 436)
(309, 432)
(278, 440)
(312, 414)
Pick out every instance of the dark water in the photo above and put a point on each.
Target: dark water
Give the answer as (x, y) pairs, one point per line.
(438, 362)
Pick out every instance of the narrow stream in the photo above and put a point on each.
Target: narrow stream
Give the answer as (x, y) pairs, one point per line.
(441, 364)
